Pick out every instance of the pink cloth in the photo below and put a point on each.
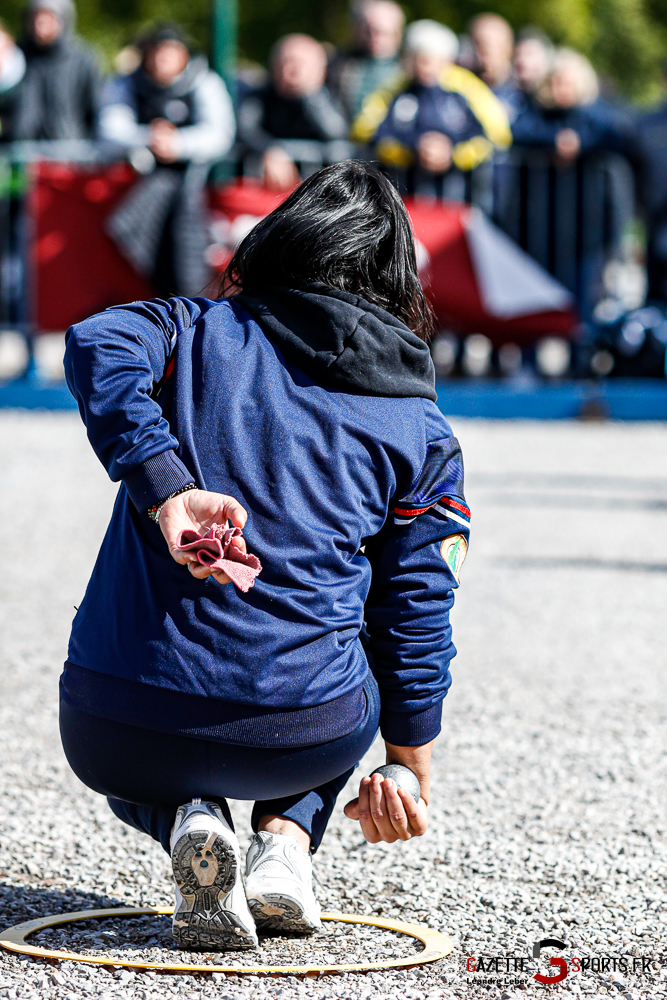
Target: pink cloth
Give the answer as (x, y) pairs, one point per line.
(214, 550)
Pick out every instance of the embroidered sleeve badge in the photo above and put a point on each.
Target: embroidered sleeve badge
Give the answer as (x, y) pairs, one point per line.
(453, 550)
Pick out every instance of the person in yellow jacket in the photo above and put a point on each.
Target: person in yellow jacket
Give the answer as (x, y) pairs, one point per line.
(435, 114)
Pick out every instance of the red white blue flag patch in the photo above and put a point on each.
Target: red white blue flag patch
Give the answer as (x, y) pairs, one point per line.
(448, 506)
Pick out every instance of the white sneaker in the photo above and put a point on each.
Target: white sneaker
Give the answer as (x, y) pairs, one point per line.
(211, 912)
(279, 885)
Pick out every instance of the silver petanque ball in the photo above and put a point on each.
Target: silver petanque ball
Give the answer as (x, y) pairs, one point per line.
(403, 776)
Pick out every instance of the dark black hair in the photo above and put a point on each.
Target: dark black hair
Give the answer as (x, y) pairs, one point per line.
(346, 227)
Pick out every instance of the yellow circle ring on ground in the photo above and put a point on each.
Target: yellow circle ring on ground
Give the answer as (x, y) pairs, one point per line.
(436, 945)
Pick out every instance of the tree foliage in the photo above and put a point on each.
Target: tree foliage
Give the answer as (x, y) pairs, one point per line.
(626, 39)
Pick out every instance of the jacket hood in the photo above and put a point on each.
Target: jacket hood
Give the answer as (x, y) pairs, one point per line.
(343, 341)
(64, 10)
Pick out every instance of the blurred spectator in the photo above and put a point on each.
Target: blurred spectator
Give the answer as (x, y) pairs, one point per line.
(533, 59)
(493, 40)
(439, 115)
(172, 103)
(12, 71)
(570, 119)
(59, 95)
(585, 201)
(374, 60)
(174, 106)
(294, 104)
(652, 156)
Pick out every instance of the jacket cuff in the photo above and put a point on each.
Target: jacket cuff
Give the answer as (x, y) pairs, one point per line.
(411, 729)
(156, 479)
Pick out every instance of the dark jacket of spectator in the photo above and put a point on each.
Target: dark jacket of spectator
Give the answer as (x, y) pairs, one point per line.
(59, 95)
(266, 116)
(512, 98)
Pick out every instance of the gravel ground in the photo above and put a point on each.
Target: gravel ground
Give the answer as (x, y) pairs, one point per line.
(547, 818)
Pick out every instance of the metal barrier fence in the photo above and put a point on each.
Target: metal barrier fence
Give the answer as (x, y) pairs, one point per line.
(17, 279)
(570, 219)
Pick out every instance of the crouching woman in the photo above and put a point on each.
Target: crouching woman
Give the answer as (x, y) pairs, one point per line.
(302, 410)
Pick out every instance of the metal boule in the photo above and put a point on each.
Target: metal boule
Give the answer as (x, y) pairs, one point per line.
(403, 776)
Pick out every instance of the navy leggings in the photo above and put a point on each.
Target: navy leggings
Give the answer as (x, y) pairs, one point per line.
(146, 774)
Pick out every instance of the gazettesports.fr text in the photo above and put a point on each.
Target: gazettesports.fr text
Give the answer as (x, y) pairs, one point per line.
(596, 963)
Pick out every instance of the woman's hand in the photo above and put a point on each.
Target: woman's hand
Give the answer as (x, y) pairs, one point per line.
(387, 813)
(198, 510)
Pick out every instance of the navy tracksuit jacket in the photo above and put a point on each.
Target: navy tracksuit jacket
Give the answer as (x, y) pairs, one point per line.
(316, 410)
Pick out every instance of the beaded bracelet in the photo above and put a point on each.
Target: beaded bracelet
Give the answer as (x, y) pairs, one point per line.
(155, 511)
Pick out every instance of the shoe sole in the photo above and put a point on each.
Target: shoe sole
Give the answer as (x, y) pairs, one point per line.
(202, 922)
(277, 911)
